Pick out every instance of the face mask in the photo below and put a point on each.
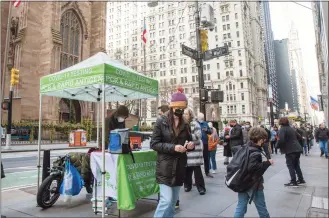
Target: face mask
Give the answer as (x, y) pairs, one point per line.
(179, 112)
(120, 119)
(231, 125)
(247, 126)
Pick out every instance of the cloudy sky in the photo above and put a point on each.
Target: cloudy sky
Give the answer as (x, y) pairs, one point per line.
(282, 13)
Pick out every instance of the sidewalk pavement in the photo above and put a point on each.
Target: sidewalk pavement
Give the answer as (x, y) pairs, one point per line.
(219, 201)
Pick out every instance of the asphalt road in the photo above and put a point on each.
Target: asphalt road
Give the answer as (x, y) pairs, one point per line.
(20, 168)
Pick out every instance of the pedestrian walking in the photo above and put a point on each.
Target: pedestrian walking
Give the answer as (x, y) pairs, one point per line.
(235, 136)
(255, 170)
(170, 134)
(274, 137)
(266, 146)
(205, 132)
(195, 157)
(213, 141)
(227, 148)
(289, 145)
(304, 140)
(322, 137)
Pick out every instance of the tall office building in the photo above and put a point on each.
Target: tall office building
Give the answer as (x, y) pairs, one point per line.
(285, 82)
(269, 54)
(241, 74)
(320, 15)
(297, 71)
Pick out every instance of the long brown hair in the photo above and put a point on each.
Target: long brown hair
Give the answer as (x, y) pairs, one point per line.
(171, 118)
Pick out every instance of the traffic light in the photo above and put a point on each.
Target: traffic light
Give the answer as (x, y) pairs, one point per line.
(204, 40)
(14, 77)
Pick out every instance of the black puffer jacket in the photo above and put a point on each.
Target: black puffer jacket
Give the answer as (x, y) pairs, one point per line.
(170, 168)
(236, 137)
(288, 142)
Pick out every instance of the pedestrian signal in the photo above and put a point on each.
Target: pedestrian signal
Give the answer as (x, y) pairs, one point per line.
(14, 77)
(204, 40)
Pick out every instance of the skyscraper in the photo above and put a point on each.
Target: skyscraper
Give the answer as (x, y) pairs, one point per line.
(284, 78)
(269, 53)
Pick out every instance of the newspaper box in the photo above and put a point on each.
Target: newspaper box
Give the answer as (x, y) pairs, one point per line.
(78, 138)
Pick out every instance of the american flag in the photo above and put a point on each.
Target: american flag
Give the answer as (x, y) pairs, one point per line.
(314, 104)
(16, 3)
(144, 33)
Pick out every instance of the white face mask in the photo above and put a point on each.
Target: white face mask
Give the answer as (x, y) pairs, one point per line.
(120, 119)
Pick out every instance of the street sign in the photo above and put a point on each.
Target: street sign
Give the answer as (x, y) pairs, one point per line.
(190, 52)
(214, 53)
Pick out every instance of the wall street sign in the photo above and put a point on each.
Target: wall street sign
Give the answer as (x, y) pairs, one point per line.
(214, 53)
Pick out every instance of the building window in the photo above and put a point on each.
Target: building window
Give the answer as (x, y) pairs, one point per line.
(237, 34)
(237, 24)
(241, 85)
(242, 96)
(241, 74)
(240, 62)
(227, 17)
(228, 26)
(236, 15)
(153, 109)
(243, 109)
(208, 66)
(230, 86)
(239, 52)
(218, 75)
(238, 43)
(71, 32)
(228, 109)
(217, 66)
(219, 87)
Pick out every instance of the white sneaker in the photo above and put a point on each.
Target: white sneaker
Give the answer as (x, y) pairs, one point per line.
(213, 172)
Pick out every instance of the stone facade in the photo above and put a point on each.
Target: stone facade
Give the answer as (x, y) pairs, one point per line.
(40, 45)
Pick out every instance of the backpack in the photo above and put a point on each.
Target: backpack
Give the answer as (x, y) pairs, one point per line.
(238, 178)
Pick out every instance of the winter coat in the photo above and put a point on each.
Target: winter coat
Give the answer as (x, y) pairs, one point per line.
(170, 167)
(322, 134)
(227, 148)
(205, 131)
(288, 142)
(212, 143)
(256, 165)
(195, 157)
(236, 136)
(245, 135)
(273, 135)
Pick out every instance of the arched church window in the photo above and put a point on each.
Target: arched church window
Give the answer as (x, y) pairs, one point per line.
(71, 32)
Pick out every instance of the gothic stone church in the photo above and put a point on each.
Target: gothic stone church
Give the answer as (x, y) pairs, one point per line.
(51, 36)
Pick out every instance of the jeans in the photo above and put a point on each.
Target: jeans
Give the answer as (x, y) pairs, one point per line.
(212, 160)
(259, 200)
(324, 147)
(274, 147)
(168, 198)
(198, 177)
(293, 164)
(305, 146)
(206, 158)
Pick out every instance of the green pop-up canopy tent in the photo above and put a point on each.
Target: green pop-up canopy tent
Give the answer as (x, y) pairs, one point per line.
(96, 79)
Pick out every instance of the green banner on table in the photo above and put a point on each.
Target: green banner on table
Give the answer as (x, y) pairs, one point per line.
(136, 180)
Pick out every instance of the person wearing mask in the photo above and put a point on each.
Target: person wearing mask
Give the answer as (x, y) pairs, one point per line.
(116, 121)
(322, 137)
(227, 148)
(205, 132)
(163, 109)
(256, 167)
(213, 141)
(195, 157)
(235, 136)
(274, 137)
(171, 139)
(289, 145)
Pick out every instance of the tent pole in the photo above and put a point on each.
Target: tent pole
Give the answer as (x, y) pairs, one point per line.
(39, 139)
(98, 113)
(103, 151)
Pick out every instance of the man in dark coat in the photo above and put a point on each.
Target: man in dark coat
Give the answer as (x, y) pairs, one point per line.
(322, 137)
(116, 121)
(236, 136)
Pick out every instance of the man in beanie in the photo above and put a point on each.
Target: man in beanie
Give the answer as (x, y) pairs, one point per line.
(171, 139)
(163, 109)
(116, 121)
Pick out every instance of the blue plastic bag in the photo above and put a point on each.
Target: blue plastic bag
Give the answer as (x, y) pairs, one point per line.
(72, 182)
